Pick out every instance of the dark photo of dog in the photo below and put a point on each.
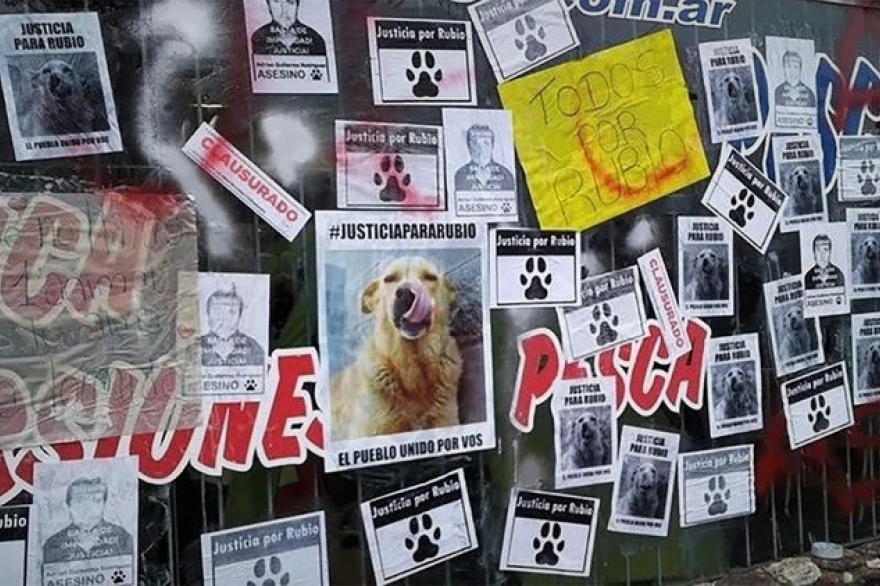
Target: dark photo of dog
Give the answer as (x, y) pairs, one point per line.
(706, 273)
(733, 97)
(865, 259)
(584, 437)
(643, 486)
(734, 394)
(868, 363)
(795, 334)
(802, 182)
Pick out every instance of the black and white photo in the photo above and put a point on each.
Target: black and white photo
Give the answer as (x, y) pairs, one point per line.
(792, 79)
(798, 166)
(863, 225)
(716, 485)
(733, 377)
(866, 358)
(14, 529)
(817, 405)
(729, 81)
(858, 168)
(796, 339)
(705, 266)
(825, 265)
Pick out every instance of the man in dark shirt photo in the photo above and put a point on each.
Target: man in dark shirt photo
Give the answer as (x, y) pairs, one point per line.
(823, 275)
(482, 173)
(225, 345)
(793, 92)
(286, 34)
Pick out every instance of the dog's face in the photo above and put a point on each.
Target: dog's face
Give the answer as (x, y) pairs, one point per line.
(801, 180)
(410, 296)
(707, 263)
(736, 382)
(644, 479)
(793, 320)
(731, 86)
(586, 427)
(872, 354)
(869, 249)
(56, 79)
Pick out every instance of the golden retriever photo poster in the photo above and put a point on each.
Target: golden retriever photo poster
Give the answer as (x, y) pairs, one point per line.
(817, 405)
(715, 485)
(404, 337)
(585, 431)
(866, 357)
(858, 168)
(796, 339)
(642, 496)
(729, 80)
(798, 166)
(705, 266)
(825, 267)
(662, 295)
(57, 86)
(733, 376)
(14, 524)
(863, 225)
(549, 533)
(791, 73)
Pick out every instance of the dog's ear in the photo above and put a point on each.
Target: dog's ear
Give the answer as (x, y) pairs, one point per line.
(368, 297)
(452, 291)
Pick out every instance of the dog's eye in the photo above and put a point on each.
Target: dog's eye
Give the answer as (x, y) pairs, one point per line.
(392, 278)
(67, 70)
(430, 277)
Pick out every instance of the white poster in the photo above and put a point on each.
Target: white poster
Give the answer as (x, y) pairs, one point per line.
(858, 168)
(733, 376)
(534, 268)
(421, 62)
(642, 496)
(389, 166)
(796, 339)
(729, 81)
(59, 101)
(520, 35)
(481, 164)
(14, 527)
(817, 405)
(866, 358)
(549, 533)
(705, 266)
(716, 485)
(403, 318)
(280, 552)
(290, 45)
(863, 225)
(798, 161)
(85, 519)
(419, 527)
(792, 81)
(585, 431)
(234, 341)
(825, 267)
(662, 295)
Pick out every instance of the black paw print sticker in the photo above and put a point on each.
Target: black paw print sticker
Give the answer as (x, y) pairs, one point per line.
(392, 178)
(118, 577)
(422, 541)
(506, 208)
(603, 324)
(548, 545)
(269, 574)
(424, 75)
(535, 279)
(820, 410)
(868, 179)
(717, 496)
(529, 36)
(316, 74)
(742, 208)
(250, 385)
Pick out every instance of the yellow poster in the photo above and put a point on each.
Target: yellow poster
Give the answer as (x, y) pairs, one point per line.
(606, 134)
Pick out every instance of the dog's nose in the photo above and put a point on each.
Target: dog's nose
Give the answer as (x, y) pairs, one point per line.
(404, 297)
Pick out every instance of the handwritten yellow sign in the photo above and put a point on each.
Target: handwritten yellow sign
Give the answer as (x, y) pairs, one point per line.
(606, 134)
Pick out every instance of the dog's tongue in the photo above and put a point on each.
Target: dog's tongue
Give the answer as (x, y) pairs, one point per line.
(422, 306)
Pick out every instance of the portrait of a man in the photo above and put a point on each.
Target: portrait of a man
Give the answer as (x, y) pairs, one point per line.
(793, 92)
(482, 172)
(823, 275)
(225, 344)
(286, 34)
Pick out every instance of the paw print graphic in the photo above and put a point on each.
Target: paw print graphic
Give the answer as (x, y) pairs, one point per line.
(535, 278)
(422, 541)
(316, 74)
(868, 178)
(506, 207)
(424, 75)
(603, 324)
(820, 410)
(548, 544)
(118, 577)
(269, 574)
(742, 208)
(529, 37)
(250, 385)
(717, 496)
(392, 178)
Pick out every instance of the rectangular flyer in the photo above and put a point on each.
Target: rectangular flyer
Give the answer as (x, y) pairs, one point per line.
(645, 480)
(421, 62)
(796, 339)
(419, 527)
(863, 225)
(705, 266)
(56, 86)
(481, 164)
(653, 269)
(715, 485)
(549, 533)
(798, 163)
(585, 431)
(403, 317)
(534, 268)
(287, 551)
(825, 265)
(858, 168)
(729, 81)
(389, 166)
(611, 313)
(14, 527)
(290, 45)
(866, 357)
(817, 405)
(791, 73)
(733, 376)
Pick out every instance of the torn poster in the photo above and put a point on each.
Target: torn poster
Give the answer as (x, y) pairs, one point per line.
(858, 168)
(866, 357)
(481, 164)
(796, 339)
(389, 166)
(729, 81)
(14, 528)
(520, 35)
(611, 313)
(863, 225)
(419, 527)
(421, 62)
(798, 162)
(404, 325)
(817, 405)
(740, 194)
(715, 485)
(85, 517)
(56, 86)
(549, 533)
(642, 496)
(734, 378)
(825, 266)
(705, 266)
(791, 79)
(284, 551)
(291, 47)
(534, 268)
(234, 337)
(653, 269)
(585, 431)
